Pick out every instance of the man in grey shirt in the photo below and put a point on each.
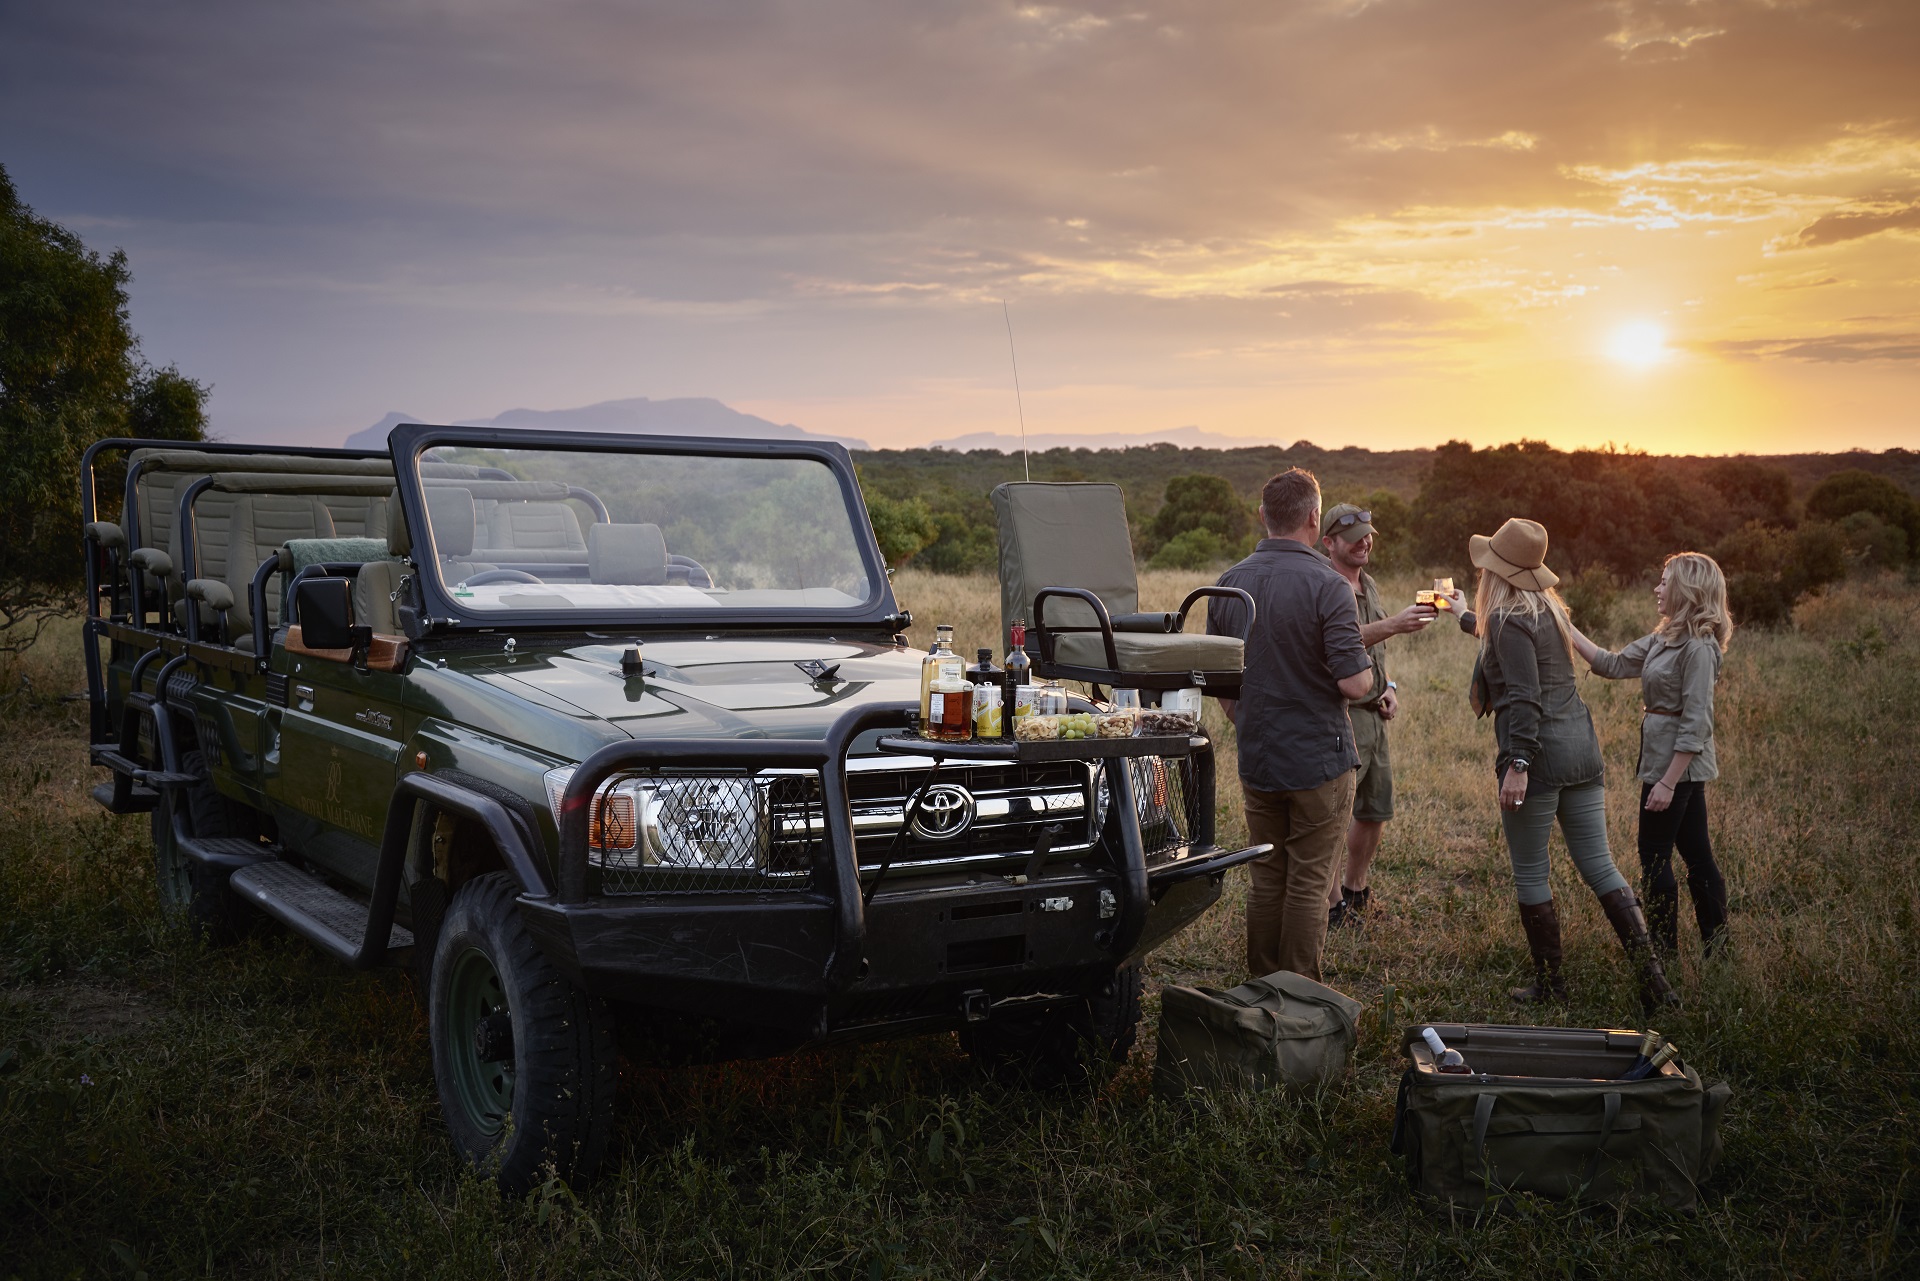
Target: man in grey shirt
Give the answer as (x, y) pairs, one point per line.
(1305, 662)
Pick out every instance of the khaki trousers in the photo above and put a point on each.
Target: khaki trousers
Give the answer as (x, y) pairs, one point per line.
(1287, 900)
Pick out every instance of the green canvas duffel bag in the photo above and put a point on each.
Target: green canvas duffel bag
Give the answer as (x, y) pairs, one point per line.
(1282, 1029)
(1540, 1112)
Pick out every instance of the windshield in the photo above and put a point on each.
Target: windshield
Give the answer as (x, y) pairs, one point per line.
(587, 530)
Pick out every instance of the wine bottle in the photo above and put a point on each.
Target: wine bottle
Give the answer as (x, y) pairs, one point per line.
(1661, 1057)
(1647, 1042)
(1019, 667)
(1444, 1059)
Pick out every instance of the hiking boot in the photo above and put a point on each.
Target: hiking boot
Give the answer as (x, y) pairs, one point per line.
(1340, 916)
(1356, 901)
(1630, 924)
(1542, 924)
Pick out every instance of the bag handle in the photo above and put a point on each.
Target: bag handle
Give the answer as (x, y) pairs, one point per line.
(1348, 1021)
(1608, 1117)
(1483, 1114)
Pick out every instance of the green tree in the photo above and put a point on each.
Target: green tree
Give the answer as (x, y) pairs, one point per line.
(1193, 504)
(70, 374)
(902, 526)
(1846, 492)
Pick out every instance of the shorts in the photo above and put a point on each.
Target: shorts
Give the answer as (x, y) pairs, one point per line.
(1373, 788)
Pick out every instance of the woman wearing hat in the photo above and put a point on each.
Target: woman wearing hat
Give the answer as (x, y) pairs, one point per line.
(1549, 757)
(1677, 663)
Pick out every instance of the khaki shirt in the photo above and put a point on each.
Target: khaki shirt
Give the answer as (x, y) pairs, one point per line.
(1366, 602)
(1675, 676)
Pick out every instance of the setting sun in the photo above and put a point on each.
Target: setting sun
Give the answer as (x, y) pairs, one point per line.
(1640, 344)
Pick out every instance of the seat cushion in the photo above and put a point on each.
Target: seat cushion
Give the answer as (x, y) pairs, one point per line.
(1146, 652)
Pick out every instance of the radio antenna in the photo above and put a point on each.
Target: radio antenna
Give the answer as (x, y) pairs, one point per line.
(1025, 456)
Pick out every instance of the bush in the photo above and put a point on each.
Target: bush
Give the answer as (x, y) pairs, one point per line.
(1846, 493)
(1195, 549)
(1592, 597)
(1770, 570)
(1196, 504)
(1874, 543)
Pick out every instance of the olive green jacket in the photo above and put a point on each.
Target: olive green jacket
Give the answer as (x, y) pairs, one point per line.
(1537, 712)
(1676, 689)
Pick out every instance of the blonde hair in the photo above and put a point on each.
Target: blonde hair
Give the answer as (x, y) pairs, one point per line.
(1696, 600)
(1496, 596)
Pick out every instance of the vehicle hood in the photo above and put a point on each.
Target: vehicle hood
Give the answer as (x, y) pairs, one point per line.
(712, 689)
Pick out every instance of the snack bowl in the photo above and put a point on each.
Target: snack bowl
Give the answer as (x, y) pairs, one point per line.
(1155, 722)
(1036, 729)
(1121, 724)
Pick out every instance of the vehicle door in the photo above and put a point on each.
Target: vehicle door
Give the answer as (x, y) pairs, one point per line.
(339, 744)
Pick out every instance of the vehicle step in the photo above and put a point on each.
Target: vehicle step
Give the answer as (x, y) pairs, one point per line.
(229, 852)
(119, 764)
(311, 908)
(140, 800)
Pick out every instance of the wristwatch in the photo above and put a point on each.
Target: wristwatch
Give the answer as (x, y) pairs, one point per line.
(1518, 763)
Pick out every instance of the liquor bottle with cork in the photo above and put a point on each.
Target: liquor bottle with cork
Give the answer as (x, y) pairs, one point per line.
(950, 707)
(940, 662)
(1019, 668)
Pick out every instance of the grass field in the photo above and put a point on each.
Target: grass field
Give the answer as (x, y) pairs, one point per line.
(168, 1110)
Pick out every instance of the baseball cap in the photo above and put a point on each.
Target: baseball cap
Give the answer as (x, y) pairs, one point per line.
(1350, 521)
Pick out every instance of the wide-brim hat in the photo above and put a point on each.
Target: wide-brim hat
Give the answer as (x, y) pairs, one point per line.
(1517, 552)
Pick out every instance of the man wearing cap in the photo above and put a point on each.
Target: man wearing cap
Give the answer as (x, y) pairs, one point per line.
(1346, 537)
(1304, 660)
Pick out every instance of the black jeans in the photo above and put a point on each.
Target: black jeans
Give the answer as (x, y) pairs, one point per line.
(1684, 824)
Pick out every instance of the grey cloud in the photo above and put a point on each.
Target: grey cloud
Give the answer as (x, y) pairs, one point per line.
(1867, 218)
(1842, 349)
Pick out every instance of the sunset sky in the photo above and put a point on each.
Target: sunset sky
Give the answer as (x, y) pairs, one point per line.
(1681, 227)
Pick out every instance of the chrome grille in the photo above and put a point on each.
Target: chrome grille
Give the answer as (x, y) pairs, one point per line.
(1009, 806)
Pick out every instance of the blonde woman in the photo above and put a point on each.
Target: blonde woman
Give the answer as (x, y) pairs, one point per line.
(1548, 760)
(1678, 664)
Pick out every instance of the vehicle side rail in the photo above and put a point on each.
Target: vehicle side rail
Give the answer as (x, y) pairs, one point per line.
(828, 755)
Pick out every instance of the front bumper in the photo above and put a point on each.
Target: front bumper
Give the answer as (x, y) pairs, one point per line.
(933, 954)
(848, 958)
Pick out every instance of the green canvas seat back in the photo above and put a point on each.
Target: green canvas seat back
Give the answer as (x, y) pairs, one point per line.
(1064, 535)
(509, 530)
(1074, 534)
(1540, 1114)
(1283, 1029)
(258, 526)
(358, 516)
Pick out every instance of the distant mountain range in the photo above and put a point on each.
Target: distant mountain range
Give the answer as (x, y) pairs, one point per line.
(1187, 437)
(690, 416)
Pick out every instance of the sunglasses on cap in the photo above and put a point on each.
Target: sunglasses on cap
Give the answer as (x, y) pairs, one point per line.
(1351, 518)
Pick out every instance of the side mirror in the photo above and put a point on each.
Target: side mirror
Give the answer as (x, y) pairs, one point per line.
(324, 610)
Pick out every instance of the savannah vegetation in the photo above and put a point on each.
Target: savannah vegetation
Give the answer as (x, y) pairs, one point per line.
(170, 1109)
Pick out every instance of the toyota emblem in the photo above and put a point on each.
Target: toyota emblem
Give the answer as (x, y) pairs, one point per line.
(944, 812)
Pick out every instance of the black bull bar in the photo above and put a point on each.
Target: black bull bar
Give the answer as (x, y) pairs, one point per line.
(843, 963)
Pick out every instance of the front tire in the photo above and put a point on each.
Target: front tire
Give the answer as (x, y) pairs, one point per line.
(523, 1058)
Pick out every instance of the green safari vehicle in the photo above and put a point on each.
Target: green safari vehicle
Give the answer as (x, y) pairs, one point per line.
(592, 729)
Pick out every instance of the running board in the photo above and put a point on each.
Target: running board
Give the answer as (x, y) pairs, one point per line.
(314, 910)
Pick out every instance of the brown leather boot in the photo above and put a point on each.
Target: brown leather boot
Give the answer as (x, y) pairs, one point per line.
(1542, 924)
(1623, 913)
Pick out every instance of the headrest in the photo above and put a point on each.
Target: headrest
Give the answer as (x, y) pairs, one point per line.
(450, 513)
(630, 555)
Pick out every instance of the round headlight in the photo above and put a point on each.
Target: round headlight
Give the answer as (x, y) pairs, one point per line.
(705, 822)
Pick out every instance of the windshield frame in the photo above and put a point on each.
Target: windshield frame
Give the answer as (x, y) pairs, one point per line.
(409, 441)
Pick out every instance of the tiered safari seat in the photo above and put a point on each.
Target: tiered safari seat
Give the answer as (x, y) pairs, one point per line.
(1066, 566)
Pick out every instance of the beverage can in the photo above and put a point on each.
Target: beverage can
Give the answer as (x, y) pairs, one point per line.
(987, 719)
